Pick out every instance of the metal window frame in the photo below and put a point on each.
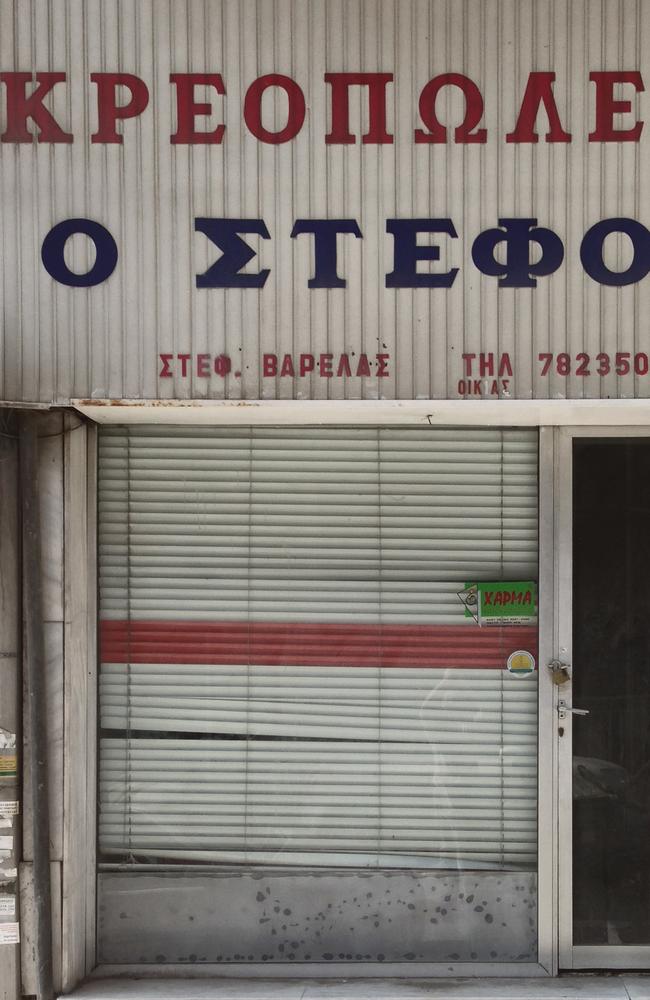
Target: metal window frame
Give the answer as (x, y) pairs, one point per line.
(79, 891)
(79, 705)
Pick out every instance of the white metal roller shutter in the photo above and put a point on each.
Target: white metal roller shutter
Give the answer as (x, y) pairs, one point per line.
(261, 587)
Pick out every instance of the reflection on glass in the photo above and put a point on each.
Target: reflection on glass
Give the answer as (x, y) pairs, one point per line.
(293, 695)
(611, 653)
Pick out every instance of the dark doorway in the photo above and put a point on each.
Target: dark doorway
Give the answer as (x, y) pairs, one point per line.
(611, 678)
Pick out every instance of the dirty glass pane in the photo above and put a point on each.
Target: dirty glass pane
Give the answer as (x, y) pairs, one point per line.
(302, 718)
(611, 651)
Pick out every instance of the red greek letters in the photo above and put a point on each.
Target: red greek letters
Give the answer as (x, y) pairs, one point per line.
(28, 115)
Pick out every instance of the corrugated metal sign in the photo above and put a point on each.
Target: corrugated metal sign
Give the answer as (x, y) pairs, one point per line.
(313, 199)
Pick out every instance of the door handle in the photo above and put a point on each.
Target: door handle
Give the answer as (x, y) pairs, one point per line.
(563, 708)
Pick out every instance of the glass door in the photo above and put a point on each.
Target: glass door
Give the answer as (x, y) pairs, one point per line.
(603, 710)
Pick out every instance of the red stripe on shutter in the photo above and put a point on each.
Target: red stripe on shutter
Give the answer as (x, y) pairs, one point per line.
(334, 645)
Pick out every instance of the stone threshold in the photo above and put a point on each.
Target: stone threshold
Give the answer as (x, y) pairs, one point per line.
(566, 987)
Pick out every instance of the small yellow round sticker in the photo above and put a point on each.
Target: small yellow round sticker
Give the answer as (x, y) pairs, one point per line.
(521, 663)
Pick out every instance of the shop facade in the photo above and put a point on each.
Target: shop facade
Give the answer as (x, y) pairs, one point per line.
(326, 442)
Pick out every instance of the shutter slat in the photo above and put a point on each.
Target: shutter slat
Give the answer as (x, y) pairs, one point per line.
(308, 764)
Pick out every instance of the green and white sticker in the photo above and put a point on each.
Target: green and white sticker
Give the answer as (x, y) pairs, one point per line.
(501, 602)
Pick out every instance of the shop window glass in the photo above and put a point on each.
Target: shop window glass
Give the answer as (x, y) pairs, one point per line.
(291, 683)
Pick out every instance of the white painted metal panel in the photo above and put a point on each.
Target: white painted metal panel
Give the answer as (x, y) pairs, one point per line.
(104, 342)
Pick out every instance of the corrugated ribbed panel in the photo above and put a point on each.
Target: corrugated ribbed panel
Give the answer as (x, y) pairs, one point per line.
(289, 598)
(64, 342)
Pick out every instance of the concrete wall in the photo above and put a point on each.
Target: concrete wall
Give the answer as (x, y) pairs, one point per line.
(68, 627)
(10, 825)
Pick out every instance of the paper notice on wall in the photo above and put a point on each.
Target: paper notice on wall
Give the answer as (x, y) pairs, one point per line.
(6, 843)
(9, 933)
(8, 765)
(9, 808)
(6, 874)
(7, 905)
(7, 740)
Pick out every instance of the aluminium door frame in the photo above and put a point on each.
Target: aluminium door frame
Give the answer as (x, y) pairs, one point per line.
(576, 957)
